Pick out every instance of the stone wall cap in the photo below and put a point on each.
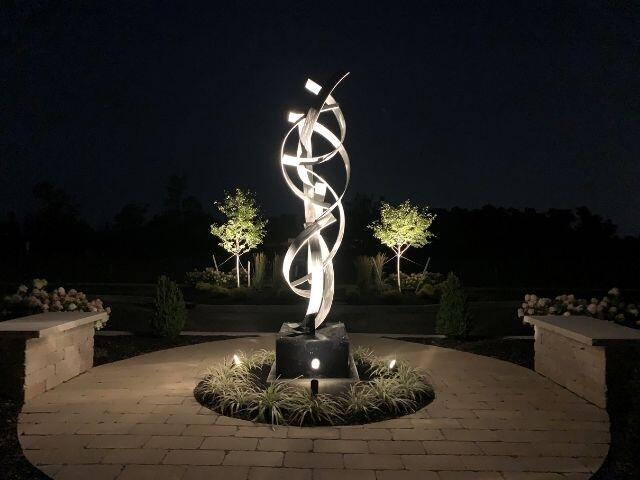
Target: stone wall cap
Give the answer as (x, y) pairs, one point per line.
(586, 330)
(43, 324)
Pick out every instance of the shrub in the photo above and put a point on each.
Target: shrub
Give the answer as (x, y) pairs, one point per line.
(428, 291)
(170, 312)
(258, 276)
(453, 317)
(239, 294)
(215, 277)
(364, 272)
(408, 281)
(352, 294)
(392, 297)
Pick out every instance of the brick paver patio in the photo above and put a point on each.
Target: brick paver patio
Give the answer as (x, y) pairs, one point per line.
(137, 419)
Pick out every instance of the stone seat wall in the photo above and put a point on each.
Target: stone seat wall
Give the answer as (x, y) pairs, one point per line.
(41, 351)
(573, 351)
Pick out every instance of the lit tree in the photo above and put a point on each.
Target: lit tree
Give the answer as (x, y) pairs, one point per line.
(402, 227)
(244, 228)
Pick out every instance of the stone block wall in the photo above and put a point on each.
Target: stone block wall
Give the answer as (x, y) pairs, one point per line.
(578, 367)
(34, 365)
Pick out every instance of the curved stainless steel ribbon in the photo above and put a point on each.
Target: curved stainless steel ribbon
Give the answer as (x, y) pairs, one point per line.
(318, 284)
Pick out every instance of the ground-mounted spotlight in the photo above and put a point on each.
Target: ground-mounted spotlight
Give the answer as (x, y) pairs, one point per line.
(315, 384)
(392, 364)
(236, 360)
(315, 364)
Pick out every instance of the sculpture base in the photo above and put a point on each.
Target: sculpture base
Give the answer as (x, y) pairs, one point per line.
(324, 355)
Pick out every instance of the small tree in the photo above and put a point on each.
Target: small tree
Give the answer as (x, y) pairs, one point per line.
(402, 227)
(170, 311)
(244, 228)
(453, 316)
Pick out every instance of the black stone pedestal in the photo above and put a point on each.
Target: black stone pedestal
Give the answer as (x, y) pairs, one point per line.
(324, 355)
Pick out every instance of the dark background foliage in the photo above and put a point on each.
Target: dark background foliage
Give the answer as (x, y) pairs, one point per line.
(486, 247)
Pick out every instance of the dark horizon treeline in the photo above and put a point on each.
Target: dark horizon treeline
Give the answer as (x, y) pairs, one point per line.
(487, 247)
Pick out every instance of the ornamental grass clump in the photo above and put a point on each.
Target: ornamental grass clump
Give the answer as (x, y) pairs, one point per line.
(360, 402)
(389, 392)
(304, 408)
(269, 405)
(412, 383)
(170, 311)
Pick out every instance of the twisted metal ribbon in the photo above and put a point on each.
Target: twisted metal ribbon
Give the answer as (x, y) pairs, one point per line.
(318, 284)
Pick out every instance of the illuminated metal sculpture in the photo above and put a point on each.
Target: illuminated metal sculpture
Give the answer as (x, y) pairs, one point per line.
(320, 212)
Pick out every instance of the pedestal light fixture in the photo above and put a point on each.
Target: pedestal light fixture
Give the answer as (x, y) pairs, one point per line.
(322, 203)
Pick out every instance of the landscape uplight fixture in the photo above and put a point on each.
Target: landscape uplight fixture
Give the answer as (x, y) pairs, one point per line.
(236, 360)
(322, 203)
(392, 364)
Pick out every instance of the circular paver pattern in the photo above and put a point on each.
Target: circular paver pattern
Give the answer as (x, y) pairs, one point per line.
(137, 419)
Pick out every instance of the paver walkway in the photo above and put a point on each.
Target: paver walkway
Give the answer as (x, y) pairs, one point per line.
(137, 419)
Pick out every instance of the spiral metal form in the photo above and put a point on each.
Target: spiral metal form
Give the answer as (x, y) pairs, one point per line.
(322, 204)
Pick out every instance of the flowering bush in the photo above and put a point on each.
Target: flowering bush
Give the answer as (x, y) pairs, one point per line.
(611, 307)
(215, 277)
(38, 300)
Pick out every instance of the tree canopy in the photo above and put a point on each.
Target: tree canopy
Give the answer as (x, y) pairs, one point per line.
(244, 228)
(403, 226)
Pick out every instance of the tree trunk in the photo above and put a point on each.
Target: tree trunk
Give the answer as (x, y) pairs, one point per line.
(398, 269)
(238, 270)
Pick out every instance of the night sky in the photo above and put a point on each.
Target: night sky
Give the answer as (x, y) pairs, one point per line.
(516, 104)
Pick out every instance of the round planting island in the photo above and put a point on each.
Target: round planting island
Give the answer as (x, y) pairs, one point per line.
(138, 419)
(386, 388)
